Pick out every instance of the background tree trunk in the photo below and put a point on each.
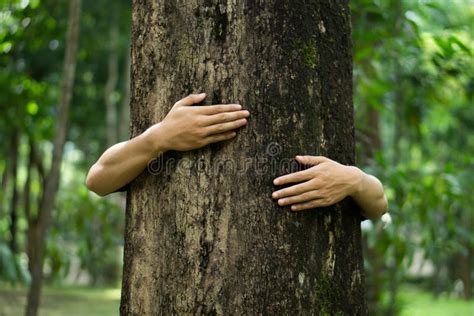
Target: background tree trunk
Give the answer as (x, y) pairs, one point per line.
(41, 224)
(111, 84)
(15, 153)
(203, 235)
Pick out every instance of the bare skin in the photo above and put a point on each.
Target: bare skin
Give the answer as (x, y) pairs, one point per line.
(328, 182)
(187, 127)
(184, 128)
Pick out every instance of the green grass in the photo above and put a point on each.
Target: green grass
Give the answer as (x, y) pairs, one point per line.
(87, 301)
(418, 303)
(75, 301)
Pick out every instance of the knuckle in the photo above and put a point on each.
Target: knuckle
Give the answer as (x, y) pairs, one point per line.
(199, 120)
(215, 139)
(218, 108)
(306, 195)
(198, 132)
(233, 116)
(221, 117)
(224, 137)
(200, 142)
(240, 122)
(221, 128)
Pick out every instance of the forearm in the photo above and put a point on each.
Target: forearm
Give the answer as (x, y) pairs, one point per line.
(369, 195)
(123, 162)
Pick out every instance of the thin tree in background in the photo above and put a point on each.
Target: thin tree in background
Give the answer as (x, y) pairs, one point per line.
(202, 233)
(42, 223)
(111, 84)
(14, 155)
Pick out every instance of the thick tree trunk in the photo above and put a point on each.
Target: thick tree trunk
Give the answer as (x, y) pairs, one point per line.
(203, 234)
(40, 228)
(125, 108)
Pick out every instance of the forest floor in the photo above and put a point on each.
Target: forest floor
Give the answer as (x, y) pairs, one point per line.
(86, 301)
(416, 302)
(60, 301)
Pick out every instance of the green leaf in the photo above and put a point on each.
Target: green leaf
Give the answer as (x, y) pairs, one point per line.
(32, 108)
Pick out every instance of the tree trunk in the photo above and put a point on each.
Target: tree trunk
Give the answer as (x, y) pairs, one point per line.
(4, 186)
(14, 155)
(111, 85)
(39, 230)
(467, 263)
(30, 218)
(203, 234)
(125, 108)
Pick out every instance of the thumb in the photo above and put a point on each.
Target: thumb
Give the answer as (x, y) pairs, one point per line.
(191, 99)
(311, 160)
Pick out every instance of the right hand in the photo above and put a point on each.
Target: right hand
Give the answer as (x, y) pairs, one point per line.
(188, 127)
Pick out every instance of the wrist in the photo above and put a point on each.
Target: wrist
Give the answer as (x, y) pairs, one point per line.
(155, 140)
(357, 179)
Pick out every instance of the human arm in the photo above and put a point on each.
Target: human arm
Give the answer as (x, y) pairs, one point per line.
(327, 182)
(184, 128)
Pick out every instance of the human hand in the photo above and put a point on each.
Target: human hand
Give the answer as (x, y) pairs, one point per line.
(188, 127)
(324, 184)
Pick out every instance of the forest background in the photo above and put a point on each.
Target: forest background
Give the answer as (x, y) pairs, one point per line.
(413, 99)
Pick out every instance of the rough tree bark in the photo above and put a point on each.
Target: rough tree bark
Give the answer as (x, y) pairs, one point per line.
(203, 234)
(38, 232)
(125, 107)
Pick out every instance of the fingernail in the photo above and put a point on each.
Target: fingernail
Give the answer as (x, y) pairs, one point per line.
(281, 201)
(202, 94)
(293, 207)
(275, 195)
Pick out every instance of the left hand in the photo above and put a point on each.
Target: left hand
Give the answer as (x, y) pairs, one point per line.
(324, 184)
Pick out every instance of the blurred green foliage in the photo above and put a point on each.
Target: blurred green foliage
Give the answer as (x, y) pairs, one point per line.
(32, 40)
(413, 94)
(414, 80)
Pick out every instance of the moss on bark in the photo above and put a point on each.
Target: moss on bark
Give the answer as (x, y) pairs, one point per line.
(210, 240)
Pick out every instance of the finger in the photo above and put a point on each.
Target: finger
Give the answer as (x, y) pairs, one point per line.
(294, 190)
(304, 197)
(219, 108)
(224, 127)
(308, 205)
(225, 117)
(191, 99)
(220, 137)
(293, 177)
(311, 160)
